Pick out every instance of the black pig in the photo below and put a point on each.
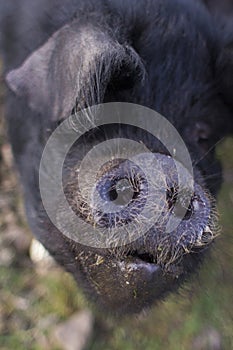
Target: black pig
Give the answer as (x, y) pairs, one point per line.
(171, 56)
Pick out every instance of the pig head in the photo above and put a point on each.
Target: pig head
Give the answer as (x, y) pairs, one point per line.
(171, 57)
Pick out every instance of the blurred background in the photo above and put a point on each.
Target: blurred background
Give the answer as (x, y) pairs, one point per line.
(41, 307)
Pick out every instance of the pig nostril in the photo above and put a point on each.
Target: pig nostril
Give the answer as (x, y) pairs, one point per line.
(183, 212)
(112, 194)
(121, 190)
(177, 204)
(120, 194)
(188, 213)
(171, 197)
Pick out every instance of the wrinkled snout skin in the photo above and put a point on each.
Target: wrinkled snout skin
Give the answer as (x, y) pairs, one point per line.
(173, 57)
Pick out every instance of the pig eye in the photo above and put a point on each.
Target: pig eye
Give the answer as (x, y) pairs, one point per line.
(202, 135)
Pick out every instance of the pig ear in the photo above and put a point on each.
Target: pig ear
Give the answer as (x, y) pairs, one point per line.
(74, 69)
(31, 79)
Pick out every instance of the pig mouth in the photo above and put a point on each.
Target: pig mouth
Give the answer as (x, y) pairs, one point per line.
(168, 252)
(170, 255)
